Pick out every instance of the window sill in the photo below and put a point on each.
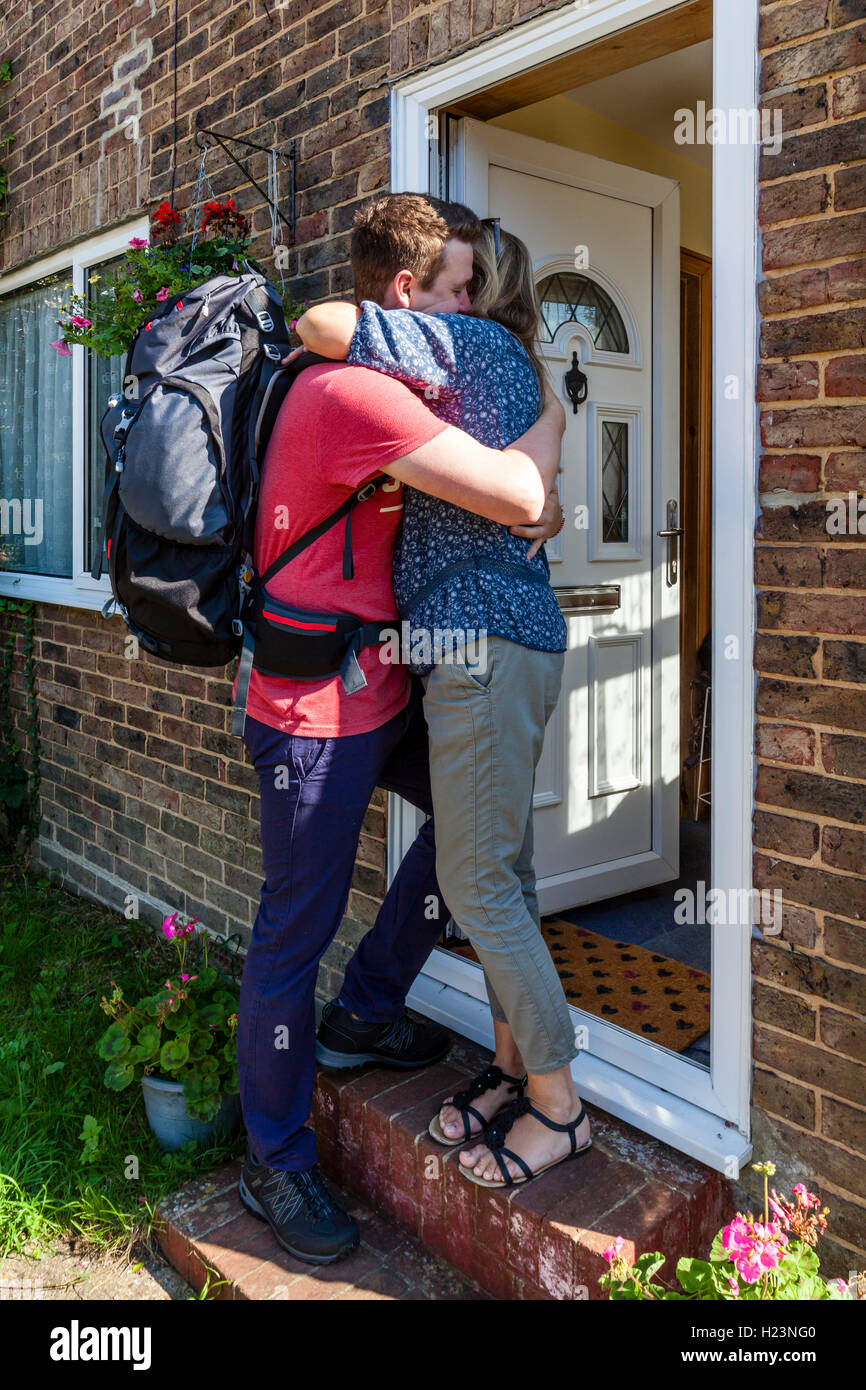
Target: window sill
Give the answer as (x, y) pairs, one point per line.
(83, 592)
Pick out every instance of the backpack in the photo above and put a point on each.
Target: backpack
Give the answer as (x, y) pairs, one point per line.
(182, 477)
(185, 448)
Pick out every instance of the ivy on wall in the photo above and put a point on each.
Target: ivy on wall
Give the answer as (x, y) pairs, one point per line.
(19, 781)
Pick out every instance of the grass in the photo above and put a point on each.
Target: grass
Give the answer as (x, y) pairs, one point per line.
(66, 1142)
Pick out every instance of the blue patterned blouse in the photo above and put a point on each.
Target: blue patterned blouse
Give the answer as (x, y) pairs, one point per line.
(455, 572)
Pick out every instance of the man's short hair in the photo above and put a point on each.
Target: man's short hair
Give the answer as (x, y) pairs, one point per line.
(405, 231)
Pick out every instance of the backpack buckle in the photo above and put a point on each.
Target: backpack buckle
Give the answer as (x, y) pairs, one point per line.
(265, 321)
(271, 351)
(366, 491)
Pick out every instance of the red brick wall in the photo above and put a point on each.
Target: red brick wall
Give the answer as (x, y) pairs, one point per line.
(810, 652)
(144, 786)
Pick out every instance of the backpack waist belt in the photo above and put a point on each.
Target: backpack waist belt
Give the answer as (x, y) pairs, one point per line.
(302, 644)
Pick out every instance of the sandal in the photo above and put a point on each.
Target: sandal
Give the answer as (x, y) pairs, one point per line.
(495, 1135)
(487, 1081)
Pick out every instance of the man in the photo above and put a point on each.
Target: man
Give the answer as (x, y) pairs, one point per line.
(319, 752)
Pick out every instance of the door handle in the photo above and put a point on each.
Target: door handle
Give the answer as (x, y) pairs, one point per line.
(672, 533)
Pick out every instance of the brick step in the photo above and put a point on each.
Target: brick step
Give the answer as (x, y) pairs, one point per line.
(542, 1241)
(205, 1232)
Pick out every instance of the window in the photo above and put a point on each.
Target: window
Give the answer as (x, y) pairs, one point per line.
(52, 461)
(614, 481)
(35, 435)
(569, 298)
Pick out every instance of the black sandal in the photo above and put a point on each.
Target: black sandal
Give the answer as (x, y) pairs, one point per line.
(486, 1081)
(494, 1141)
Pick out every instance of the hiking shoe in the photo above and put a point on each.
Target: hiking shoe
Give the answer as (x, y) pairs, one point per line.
(301, 1212)
(344, 1041)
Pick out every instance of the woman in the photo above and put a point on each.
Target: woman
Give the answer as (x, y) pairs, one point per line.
(457, 574)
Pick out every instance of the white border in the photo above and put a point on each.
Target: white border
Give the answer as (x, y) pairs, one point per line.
(80, 591)
(704, 1115)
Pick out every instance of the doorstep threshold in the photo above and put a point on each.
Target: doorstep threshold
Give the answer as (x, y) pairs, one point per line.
(680, 1123)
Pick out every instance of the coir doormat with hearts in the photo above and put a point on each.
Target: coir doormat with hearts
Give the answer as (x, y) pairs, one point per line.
(650, 994)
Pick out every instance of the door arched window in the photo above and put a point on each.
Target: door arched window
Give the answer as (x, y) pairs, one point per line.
(566, 297)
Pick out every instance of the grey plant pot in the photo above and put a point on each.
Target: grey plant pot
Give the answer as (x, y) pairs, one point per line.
(168, 1118)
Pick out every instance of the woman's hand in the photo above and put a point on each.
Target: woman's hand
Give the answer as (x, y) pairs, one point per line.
(550, 523)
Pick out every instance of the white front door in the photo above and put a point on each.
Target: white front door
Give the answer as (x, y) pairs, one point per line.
(607, 790)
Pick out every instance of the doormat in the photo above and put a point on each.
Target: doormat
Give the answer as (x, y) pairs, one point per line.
(650, 994)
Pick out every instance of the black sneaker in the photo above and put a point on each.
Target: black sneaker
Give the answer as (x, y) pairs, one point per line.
(301, 1212)
(344, 1041)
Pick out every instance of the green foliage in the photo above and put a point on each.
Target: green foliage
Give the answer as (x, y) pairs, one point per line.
(61, 1172)
(184, 1031)
(19, 783)
(153, 274)
(750, 1260)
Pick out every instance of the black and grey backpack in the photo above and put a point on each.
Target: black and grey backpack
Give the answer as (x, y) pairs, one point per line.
(180, 492)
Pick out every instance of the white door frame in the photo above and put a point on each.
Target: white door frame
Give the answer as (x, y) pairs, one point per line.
(703, 1114)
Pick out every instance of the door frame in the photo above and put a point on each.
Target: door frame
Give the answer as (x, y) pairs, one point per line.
(704, 1114)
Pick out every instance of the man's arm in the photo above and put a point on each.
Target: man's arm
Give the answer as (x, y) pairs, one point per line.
(506, 485)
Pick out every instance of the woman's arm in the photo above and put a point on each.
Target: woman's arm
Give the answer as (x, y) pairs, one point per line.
(422, 350)
(327, 328)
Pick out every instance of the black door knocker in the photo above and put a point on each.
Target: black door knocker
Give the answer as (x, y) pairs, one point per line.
(576, 383)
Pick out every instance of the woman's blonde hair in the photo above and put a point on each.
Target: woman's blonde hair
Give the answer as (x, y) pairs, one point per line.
(504, 290)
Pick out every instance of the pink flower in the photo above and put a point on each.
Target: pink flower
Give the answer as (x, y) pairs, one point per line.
(162, 294)
(841, 1286)
(137, 296)
(169, 926)
(78, 322)
(734, 1286)
(137, 242)
(806, 1198)
(771, 1232)
(762, 1256)
(61, 348)
(184, 977)
(612, 1251)
(737, 1236)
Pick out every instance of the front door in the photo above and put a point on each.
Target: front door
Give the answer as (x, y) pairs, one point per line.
(607, 789)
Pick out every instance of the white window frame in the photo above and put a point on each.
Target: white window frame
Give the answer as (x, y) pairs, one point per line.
(706, 1115)
(81, 591)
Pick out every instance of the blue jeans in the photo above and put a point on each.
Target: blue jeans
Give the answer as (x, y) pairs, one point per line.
(314, 795)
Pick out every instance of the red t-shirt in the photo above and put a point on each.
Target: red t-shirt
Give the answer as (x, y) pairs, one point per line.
(338, 427)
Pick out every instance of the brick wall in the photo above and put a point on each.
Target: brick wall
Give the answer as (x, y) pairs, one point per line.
(810, 652)
(145, 790)
(144, 787)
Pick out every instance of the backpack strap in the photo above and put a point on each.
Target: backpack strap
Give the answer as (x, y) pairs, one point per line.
(242, 690)
(345, 509)
(274, 385)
